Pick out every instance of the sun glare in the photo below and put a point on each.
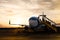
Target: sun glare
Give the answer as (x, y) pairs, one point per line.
(16, 21)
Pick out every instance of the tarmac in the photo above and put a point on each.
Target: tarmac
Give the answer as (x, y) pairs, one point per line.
(33, 36)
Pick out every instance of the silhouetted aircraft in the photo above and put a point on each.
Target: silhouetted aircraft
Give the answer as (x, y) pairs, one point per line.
(39, 24)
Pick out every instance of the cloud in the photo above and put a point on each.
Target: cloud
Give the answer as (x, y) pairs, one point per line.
(27, 8)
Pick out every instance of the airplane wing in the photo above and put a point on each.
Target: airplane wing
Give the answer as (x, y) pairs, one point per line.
(17, 24)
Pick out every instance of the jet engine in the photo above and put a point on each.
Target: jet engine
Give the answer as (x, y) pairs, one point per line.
(33, 21)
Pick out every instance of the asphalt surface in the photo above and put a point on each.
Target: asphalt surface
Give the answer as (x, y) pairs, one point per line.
(44, 36)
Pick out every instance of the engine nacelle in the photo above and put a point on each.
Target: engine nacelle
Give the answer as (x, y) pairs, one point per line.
(33, 22)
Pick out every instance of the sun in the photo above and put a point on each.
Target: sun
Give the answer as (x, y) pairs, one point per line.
(16, 20)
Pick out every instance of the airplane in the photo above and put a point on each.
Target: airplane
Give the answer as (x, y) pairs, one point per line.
(38, 24)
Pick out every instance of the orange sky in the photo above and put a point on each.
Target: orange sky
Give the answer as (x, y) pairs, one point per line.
(19, 11)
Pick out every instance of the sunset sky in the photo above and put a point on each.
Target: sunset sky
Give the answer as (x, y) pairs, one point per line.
(19, 11)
